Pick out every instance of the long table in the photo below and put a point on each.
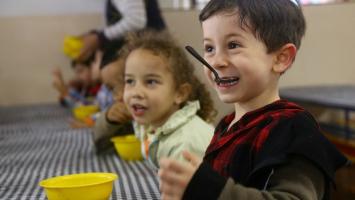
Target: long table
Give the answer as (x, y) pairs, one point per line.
(341, 97)
(36, 143)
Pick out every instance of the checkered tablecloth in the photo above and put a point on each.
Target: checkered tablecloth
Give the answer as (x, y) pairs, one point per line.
(36, 143)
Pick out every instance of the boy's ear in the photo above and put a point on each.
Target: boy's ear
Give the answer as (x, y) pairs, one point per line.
(183, 93)
(284, 58)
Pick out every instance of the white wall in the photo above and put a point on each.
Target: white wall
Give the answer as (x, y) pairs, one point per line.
(60, 7)
(327, 54)
(49, 7)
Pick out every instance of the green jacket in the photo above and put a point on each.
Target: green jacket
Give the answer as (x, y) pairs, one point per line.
(184, 130)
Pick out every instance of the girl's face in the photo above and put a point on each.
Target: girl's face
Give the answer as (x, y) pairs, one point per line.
(149, 93)
(235, 53)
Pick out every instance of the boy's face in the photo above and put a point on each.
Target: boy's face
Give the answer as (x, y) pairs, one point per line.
(112, 74)
(149, 91)
(236, 53)
(83, 74)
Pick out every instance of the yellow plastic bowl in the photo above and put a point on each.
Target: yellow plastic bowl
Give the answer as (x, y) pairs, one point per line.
(88, 186)
(128, 147)
(72, 46)
(83, 112)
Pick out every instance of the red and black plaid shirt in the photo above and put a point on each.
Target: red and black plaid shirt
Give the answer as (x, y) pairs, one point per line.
(257, 144)
(245, 138)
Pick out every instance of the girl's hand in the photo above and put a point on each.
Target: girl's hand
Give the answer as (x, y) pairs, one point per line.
(118, 113)
(175, 176)
(73, 123)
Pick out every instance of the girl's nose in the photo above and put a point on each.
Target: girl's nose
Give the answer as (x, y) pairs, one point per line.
(137, 92)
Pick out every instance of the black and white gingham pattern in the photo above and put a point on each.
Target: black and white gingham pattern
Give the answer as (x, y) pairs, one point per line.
(36, 143)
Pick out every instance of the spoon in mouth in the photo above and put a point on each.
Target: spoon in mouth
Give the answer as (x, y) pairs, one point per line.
(192, 51)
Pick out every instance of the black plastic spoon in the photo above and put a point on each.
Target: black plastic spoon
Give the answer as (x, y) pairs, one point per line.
(192, 51)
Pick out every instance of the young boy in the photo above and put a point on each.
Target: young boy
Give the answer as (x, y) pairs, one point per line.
(82, 89)
(268, 148)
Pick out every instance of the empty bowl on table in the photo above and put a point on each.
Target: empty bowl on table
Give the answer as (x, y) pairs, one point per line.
(88, 186)
(84, 111)
(128, 147)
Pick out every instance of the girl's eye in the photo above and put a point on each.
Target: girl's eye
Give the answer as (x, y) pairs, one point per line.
(129, 81)
(233, 45)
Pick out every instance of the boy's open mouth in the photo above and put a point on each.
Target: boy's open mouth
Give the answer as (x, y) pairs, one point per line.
(227, 81)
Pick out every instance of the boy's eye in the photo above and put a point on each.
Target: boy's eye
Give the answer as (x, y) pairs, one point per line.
(208, 48)
(152, 82)
(233, 45)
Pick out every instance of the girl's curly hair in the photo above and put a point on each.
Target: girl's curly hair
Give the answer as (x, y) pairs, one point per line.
(163, 44)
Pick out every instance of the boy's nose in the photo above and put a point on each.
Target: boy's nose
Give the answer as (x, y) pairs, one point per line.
(219, 60)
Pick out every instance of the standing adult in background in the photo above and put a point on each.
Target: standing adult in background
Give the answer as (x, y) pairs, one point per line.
(122, 17)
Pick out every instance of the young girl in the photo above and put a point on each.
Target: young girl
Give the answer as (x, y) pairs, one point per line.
(169, 105)
(268, 148)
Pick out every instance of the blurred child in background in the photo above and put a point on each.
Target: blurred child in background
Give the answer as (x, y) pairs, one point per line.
(110, 69)
(114, 119)
(82, 89)
(110, 73)
(170, 107)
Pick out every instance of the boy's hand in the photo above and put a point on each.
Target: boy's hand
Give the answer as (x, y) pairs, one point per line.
(58, 82)
(118, 113)
(175, 176)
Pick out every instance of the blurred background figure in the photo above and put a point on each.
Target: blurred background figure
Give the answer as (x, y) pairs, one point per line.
(81, 89)
(122, 17)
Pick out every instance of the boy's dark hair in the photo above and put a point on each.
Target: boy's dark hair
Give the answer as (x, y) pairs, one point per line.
(108, 58)
(275, 22)
(163, 44)
(86, 62)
